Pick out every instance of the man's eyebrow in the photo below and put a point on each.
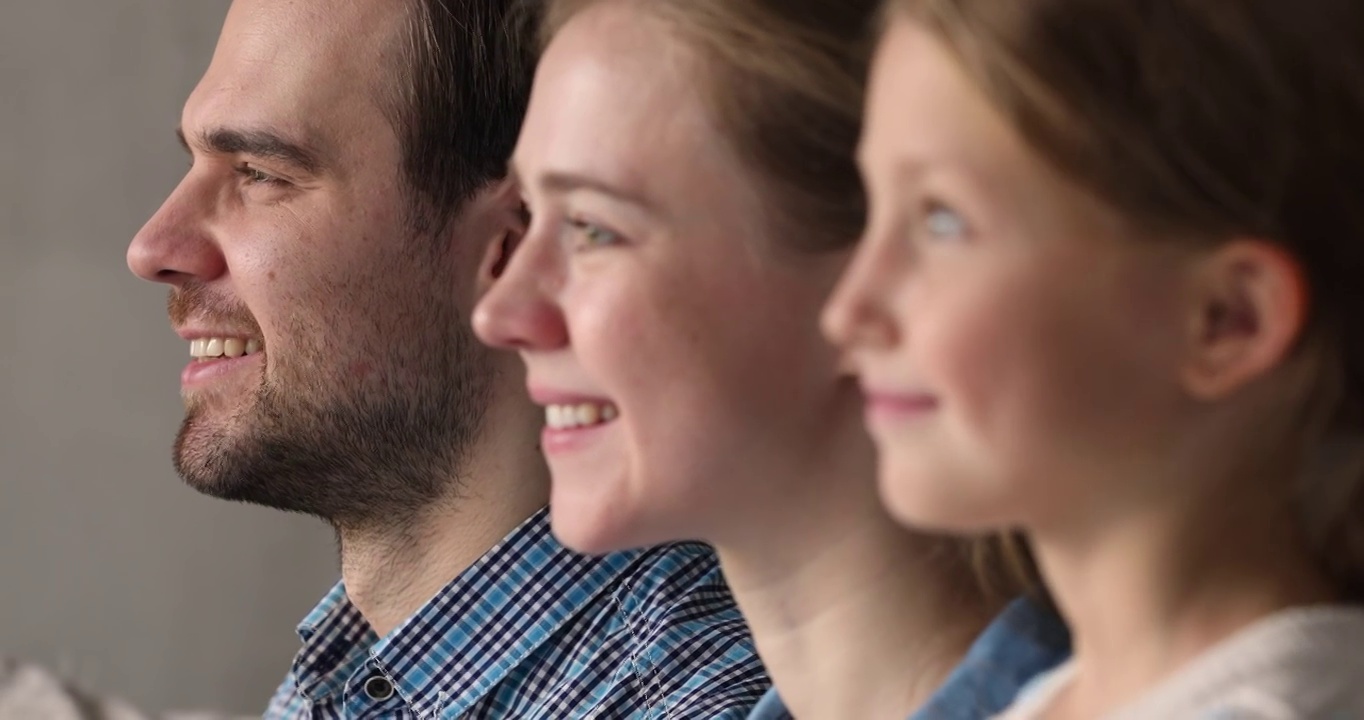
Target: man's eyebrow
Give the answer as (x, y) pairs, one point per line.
(260, 143)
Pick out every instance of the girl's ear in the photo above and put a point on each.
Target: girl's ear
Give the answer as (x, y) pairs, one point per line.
(1247, 309)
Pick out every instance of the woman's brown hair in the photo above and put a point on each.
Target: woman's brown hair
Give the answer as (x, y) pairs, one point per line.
(1204, 121)
(785, 82)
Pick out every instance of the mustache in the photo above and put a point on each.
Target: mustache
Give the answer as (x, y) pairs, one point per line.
(196, 300)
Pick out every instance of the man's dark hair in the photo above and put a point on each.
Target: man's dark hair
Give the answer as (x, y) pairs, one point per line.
(461, 87)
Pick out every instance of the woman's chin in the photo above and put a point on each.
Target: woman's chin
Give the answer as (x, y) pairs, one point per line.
(927, 505)
(594, 528)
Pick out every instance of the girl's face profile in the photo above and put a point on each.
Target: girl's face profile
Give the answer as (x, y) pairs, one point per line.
(1018, 350)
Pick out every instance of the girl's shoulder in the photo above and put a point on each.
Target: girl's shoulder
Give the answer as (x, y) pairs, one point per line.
(1299, 664)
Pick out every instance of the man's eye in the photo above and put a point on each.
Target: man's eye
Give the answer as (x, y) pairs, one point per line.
(255, 176)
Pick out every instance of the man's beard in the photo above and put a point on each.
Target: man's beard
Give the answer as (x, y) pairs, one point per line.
(360, 453)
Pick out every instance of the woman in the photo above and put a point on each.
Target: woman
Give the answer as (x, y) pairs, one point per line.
(688, 165)
(1109, 295)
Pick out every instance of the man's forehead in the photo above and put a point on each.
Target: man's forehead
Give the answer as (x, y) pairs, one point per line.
(298, 18)
(297, 68)
(353, 38)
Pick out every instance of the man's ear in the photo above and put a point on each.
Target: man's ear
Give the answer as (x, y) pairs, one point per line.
(510, 222)
(1247, 308)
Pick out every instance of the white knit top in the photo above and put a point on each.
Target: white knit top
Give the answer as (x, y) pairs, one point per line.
(1301, 664)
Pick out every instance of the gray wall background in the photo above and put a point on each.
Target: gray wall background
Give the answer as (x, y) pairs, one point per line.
(111, 571)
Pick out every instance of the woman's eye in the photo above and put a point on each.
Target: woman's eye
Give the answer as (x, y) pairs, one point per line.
(594, 235)
(942, 221)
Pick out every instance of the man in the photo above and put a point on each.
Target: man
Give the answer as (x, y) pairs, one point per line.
(344, 209)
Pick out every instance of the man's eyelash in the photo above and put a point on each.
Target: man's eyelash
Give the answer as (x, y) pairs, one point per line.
(257, 176)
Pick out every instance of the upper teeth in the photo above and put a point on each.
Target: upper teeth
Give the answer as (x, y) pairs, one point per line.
(561, 417)
(204, 348)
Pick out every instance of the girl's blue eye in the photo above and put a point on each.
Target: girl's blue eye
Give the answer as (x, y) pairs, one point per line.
(943, 222)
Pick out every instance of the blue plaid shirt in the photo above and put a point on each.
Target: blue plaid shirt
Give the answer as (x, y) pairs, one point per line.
(1024, 641)
(534, 631)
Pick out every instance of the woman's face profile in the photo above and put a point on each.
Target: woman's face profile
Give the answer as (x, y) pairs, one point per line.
(673, 342)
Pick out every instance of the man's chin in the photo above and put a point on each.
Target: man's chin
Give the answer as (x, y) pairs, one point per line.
(203, 403)
(233, 460)
(214, 487)
(207, 476)
(230, 479)
(203, 456)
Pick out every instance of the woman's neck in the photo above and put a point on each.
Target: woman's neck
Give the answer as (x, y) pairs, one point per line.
(1147, 594)
(858, 618)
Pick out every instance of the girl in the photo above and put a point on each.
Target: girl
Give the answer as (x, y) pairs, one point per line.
(1108, 296)
(688, 165)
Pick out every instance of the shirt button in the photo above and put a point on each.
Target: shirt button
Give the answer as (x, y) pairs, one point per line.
(378, 688)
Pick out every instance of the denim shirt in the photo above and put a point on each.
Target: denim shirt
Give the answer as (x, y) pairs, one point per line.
(1025, 640)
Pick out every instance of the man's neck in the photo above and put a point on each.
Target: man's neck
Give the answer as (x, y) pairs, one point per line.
(389, 576)
(392, 570)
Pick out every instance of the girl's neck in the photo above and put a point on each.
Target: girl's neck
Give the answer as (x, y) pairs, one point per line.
(1146, 595)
